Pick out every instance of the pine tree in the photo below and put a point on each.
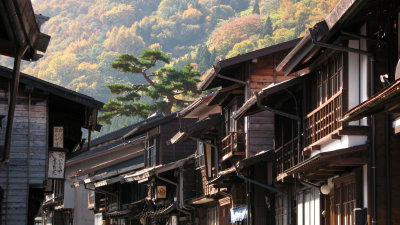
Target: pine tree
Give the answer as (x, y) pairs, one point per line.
(256, 8)
(167, 87)
(267, 28)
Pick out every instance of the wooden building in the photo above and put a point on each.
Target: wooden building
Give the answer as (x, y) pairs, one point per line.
(20, 38)
(109, 156)
(223, 141)
(239, 77)
(126, 167)
(47, 128)
(384, 106)
(330, 168)
(211, 205)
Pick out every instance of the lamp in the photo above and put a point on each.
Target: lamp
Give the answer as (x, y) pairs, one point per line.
(325, 189)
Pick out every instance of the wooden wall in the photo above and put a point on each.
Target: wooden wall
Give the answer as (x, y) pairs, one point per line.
(260, 127)
(381, 173)
(260, 132)
(171, 153)
(263, 72)
(28, 155)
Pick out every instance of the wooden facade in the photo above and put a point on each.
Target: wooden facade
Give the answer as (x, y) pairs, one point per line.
(314, 148)
(40, 107)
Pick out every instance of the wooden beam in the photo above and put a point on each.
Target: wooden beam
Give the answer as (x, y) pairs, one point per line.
(350, 161)
(315, 147)
(335, 136)
(353, 130)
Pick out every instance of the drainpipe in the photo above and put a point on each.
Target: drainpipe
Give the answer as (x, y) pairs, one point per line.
(372, 87)
(270, 188)
(387, 159)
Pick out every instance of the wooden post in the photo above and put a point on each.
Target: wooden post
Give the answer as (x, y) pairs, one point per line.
(11, 106)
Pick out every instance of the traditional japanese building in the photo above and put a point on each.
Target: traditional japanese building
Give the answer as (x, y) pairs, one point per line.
(328, 166)
(99, 164)
(46, 130)
(127, 170)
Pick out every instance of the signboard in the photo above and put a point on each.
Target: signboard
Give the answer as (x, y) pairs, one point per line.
(161, 191)
(58, 137)
(56, 165)
(174, 220)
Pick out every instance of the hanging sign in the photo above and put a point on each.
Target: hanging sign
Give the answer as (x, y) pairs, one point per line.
(58, 137)
(161, 191)
(56, 164)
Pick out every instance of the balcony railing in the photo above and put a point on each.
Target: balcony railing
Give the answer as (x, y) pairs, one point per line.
(233, 144)
(287, 156)
(323, 120)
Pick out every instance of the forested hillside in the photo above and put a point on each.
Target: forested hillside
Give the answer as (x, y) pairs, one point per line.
(87, 35)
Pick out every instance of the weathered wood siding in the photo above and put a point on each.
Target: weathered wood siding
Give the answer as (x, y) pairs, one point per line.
(28, 154)
(260, 127)
(263, 72)
(171, 153)
(260, 132)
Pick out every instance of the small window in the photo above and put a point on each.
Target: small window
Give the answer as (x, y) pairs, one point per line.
(151, 151)
(200, 154)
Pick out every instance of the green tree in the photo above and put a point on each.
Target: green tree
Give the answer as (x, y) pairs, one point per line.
(256, 8)
(167, 87)
(267, 29)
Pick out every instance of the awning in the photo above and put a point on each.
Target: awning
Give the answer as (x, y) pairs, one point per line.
(163, 211)
(269, 95)
(202, 200)
(199, 126)
(262, 156)
(223, 174)
(388, 99)
(222, 94)
(238, 214)
(148, 172)
(328, 164)
(119, 213)
(198, 107)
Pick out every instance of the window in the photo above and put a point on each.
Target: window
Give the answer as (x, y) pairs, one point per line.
(212, 216)
(308, 207)
(200, 154)
(231, 124)
(345, 202)
(151, 151)
(329, 79)
(280, 210)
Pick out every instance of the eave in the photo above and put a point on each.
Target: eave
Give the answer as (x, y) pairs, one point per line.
(299, 57)
(212, 75)
(386, 100)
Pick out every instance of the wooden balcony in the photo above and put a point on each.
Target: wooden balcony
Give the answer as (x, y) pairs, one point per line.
(286, 156)
(324, 120)
(233, 145)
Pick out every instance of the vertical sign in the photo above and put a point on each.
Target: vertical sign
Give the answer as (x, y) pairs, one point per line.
(58, 137)
(56, 165)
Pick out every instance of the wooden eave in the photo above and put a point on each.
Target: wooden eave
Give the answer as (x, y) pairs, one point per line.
(147, 125)
(220, 95)
(212, 81)
(388, 100)
(197, 108)
(270, 95)
(20, 28)
(328, 164)
(199, 128)
(52, 89)
(305, 52)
